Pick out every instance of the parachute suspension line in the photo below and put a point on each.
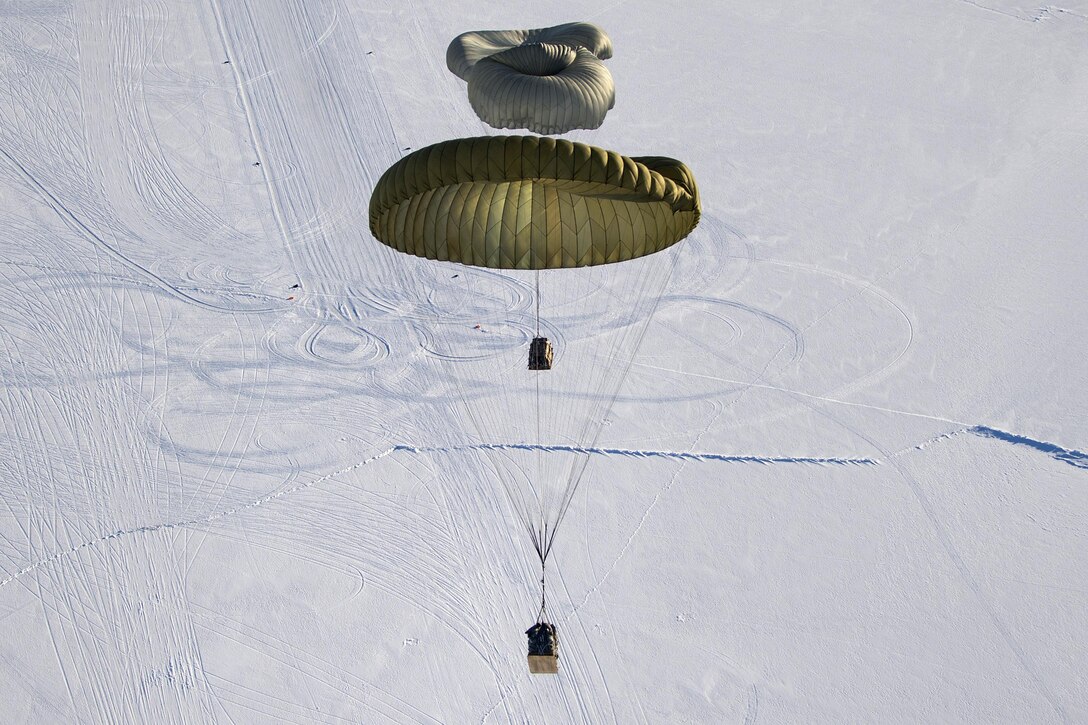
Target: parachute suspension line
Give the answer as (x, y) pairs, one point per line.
(576, 478)
(542, 615)
(539, 455)
(538, 303)
(483, 418)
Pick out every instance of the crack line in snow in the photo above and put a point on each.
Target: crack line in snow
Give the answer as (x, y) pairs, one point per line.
(638, 453)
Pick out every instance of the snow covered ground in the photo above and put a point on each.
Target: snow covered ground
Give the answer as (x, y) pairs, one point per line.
(846, 478)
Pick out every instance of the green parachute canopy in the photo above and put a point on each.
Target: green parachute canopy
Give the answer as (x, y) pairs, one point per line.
(526, 202)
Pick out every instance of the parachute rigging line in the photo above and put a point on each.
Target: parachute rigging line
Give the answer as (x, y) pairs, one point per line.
(542, 615)
(538, 303)
(539, 453)
(576, 479)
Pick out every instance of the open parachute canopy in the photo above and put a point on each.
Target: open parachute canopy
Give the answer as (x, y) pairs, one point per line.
(548, 80)
(525, 202)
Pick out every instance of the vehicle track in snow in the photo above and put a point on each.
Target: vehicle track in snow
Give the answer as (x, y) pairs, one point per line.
(993, 612)
(87, 615)
(73, 222)
(91, 415)
(189, 523)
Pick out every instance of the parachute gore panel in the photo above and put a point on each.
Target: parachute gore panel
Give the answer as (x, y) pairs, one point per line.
(527, 202)
(548, 80)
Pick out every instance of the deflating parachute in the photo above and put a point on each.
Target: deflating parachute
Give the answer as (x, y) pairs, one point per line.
(548, 80)
(524, 202)
(468, 48)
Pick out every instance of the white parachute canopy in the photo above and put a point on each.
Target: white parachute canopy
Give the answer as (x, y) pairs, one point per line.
(548, 80)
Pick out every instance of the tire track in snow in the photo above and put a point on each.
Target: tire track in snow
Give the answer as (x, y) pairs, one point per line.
(87, 233)
(751, 710)
(363, 693)
(427, 560)
(94, 423)
(211, 518)
(251, 123)
(813, 396)
(973, 582)
(862, 286)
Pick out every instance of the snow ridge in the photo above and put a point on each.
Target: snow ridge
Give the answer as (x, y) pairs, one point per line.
(1075, 458)
(680, 455)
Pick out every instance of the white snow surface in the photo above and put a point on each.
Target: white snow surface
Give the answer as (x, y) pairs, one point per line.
(844, 480)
